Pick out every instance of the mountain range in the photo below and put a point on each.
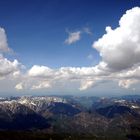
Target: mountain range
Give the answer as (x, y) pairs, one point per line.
(70, 117)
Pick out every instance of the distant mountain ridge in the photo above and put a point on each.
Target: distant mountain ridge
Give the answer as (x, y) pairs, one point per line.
(73, 115)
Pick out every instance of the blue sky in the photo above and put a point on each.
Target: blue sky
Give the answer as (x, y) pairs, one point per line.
(39, 33)
(36, 30)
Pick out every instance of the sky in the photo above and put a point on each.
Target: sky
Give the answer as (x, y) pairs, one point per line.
(89, 47)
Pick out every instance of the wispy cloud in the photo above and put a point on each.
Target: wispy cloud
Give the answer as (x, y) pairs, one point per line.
(73, 37)
(76, 36)
(3, 41)
(87, 30)
(90, 57)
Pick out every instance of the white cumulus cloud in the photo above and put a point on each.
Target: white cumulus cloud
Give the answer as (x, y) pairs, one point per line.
(41, 85)
(85, 84)
(8, 67)
(19, 86)
(37, 71)
(120, 47)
